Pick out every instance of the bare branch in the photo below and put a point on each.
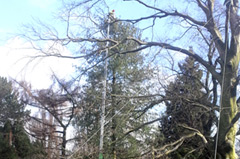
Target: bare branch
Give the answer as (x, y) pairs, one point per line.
(165, 14)
(169, 148)
(139, 127)
(174, 48)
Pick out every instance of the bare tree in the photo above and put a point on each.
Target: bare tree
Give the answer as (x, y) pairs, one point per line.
(57, 107)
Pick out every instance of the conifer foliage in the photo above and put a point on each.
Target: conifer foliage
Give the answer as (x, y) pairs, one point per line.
(14, 142)
(126, 77)
(188, 106)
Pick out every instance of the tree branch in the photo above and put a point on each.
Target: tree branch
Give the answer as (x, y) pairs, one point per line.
(165, 14)
(234, 120)
(145, 45)
(139, 127)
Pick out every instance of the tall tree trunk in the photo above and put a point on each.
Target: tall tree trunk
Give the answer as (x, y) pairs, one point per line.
(44, 129)
(50, 137)
(64, 143)
(114, 153)
(226, 140)
(229, 108)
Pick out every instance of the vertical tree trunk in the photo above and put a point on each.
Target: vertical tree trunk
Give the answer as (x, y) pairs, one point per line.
(44, 129)
(10, 137)
(229, 109)
(64, 142)
(226, 142)
(114, 153)
(50, 137)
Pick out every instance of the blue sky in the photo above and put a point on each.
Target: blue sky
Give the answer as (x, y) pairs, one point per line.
(15, 13)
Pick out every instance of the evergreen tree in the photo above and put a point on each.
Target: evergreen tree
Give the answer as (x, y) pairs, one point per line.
(188, 105)
(10, 106)
(14, 142)
(126, 77)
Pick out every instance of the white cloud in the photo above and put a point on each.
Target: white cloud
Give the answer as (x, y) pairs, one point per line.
(14, 64)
